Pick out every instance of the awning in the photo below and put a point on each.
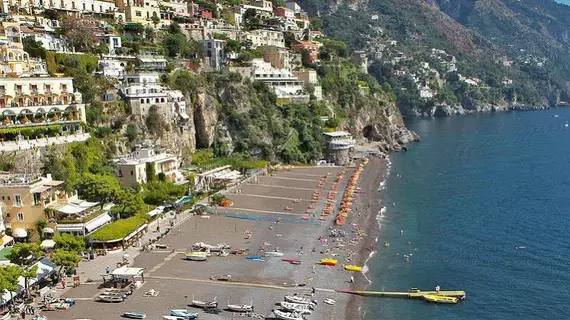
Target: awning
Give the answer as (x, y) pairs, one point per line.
(47, 230)
(39, 189)
(45, 268)
(141, 228)
(125, 272)
(47, 244)
(97, 222)
(156, 211)
(19, 233)
(6, 239)
(75, 207)
(70, 228)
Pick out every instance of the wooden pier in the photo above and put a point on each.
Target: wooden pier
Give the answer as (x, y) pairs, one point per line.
(412, 294)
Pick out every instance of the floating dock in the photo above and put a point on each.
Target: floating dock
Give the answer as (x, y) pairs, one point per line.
(412, 294)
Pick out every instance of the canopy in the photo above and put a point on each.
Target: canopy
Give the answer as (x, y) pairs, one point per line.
(76, 207)
(125, 272)
(97, 222)
(155, 211)
(19, 233)
(6, 239)
(70, 228)
(47, 230)
(47, 244)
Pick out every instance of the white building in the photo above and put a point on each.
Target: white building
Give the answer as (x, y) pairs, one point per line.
(214, 53)
(113, 68)
(79, 217)
(264, 37)
(288, 88)
(132, 169)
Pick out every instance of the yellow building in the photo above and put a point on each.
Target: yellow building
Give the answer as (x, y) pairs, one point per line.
(140, 11)
(26, 196)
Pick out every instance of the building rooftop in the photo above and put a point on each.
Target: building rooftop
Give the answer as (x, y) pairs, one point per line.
(338, 134)
(34, 180)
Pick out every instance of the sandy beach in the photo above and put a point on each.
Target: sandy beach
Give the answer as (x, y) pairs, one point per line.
(280, 200)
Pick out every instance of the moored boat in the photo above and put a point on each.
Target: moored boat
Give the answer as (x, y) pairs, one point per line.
(274, 254)
(297, 299)
(183, 313)
(353, 268)
(328, 262)
(440, 299)
(196, 256)
(287, 315)
(204, 304)
(297, 307)
(240, 307)
(134, 315)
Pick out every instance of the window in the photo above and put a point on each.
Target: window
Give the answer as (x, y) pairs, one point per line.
(8, 198)
(84, 7)
(17, 200)
(138, 13)
(20, 216)
(37, 199)
(120, 173)
(132, 172)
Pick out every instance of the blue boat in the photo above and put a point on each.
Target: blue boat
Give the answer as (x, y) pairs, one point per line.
(256, 258)
(183, 313)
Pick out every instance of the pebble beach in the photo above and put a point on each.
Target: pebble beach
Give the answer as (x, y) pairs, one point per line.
(270, 213)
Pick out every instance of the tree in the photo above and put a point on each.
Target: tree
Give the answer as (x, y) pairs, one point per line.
(40, 225)
(132, 132)
(69, 242)
(101, 188)
(64, 258)
(317, 24)
(34, 48)
(155, 19)
(9, 279)
(29, 273)
(79, 30)
(129, 203)
(150, 171)
(155, 122)
(25, 255)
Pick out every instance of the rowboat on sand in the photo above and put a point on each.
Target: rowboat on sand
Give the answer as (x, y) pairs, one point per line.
(196, 256)
(328, 262)
(134, 315)
(353, 268)
(297, 299)
(287, 315)
(204, 304)
(240, 307)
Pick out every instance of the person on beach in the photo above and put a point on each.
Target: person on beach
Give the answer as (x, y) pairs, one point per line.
(351, 279)
(437, 288)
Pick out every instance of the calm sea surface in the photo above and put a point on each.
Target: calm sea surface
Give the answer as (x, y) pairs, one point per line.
(482, 204)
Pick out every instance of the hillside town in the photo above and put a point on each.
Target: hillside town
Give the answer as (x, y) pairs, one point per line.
(71, 70)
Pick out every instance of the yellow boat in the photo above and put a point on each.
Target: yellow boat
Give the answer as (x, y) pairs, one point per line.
(328, 262)
(353, 268)
(440, 299)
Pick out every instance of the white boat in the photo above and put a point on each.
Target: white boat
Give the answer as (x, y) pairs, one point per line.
(274, 254)
(196, 256)
(204, 304)
(172, 318)
(297, 299)
(300, 308)
(112, 298)
(329, 301)
(240, 307)
(183, 313)
(287, 315)
(134, 315)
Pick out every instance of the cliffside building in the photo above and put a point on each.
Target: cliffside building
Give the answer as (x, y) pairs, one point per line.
(132, 169)
(340, 147)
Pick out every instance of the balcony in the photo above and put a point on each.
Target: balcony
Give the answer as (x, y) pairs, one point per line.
(66, 219)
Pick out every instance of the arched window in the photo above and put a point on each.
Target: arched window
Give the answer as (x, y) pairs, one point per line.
(209, 45)
(142, 100)
(162, 100)
(156, 100)
(209, 53)
(147, 100)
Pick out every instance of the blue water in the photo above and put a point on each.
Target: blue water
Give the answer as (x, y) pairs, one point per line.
(472, 191)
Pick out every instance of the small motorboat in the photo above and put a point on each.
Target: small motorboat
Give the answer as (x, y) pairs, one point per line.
(204, 304)
(240, 307)
(353, 268)
(112, 298)
(134, 315)
(255, 258)
(196, 256)
(329, 301)
(297, 307)
(172, 318)
(440, 299)
(224, 277)
(274, 254)
(297, 299)
(292, 261)
(183, 313)
(287, 315)
(328, 262)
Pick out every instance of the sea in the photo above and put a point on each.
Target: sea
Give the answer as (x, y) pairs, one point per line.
(481, 204)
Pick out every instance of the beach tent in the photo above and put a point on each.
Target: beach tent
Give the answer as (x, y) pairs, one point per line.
(47, 244)
(127, 273)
